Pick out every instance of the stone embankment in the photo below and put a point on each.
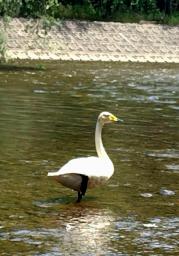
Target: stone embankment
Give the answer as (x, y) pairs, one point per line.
(91, 41)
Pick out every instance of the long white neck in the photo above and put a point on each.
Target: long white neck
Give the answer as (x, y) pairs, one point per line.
(98, 142)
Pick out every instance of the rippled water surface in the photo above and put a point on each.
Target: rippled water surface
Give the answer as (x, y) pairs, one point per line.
(48, 116)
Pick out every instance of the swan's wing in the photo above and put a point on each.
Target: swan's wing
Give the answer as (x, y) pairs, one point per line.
(89, 166)
(71, 180)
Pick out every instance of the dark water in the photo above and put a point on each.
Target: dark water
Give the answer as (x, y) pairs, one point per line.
(48, 117)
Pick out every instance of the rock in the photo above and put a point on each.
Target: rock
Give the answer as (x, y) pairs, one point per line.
(166, 192)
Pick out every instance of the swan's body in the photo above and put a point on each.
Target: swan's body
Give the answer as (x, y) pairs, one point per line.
(88, 172)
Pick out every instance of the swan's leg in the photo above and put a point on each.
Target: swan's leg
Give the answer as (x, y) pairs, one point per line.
(79, 197)
(84, 184)
(83, 187)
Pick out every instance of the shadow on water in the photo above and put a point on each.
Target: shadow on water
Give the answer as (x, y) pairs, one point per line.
(15, 68)
(63, 200)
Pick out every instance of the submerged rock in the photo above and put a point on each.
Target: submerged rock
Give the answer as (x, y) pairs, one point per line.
(146, 195)
(166, 192)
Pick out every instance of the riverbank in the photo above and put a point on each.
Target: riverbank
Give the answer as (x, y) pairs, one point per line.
(91, 41)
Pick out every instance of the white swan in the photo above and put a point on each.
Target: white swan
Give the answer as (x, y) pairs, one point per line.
(88, 172)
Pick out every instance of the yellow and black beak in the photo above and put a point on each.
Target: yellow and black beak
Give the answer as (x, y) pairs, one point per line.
(113, 118)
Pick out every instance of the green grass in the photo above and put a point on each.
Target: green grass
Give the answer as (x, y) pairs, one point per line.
(172, 20)
(157, 17)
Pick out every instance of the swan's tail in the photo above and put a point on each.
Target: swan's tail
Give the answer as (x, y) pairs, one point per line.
(52, 174)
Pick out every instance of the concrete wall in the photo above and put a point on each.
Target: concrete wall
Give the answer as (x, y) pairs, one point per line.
(92, 41)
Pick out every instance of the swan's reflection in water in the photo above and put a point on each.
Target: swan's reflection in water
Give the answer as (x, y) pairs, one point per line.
(87, 231)
(74, 230)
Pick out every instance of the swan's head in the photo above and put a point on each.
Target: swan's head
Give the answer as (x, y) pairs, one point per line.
(106, 117)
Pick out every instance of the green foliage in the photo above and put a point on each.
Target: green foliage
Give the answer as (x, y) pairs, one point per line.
(159, 10)
(2, 46)
(172, 19)
(85, 11)
(10, 7)
(143, 5)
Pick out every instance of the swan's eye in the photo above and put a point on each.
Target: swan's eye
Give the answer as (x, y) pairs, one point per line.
(106, 116)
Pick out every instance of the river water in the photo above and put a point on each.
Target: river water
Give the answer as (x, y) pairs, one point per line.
(48, 113)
